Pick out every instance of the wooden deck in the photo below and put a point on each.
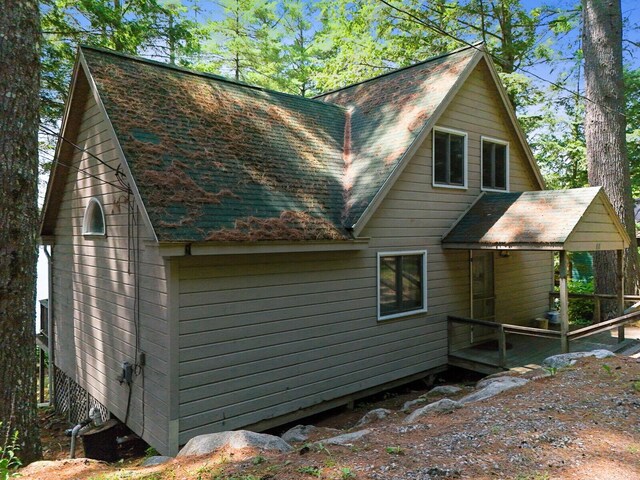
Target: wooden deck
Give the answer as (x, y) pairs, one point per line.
(529, 352)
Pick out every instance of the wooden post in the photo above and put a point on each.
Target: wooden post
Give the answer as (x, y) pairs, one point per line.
(564, 304)
(41, 376)
(621, 292)
(502, 347)
(597, 317)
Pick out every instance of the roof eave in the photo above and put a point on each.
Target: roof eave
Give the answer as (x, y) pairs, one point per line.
(179, 249)
(58, 171)
(503, 246)
(515, 122)
(123, 159)
(415, 145)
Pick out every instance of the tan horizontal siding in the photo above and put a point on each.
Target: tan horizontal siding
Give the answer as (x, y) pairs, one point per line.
(93, 293)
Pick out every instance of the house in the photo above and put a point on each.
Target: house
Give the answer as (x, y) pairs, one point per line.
(225, 256)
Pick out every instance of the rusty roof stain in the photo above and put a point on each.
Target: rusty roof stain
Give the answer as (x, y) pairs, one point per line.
(217, 160)
(514, 219)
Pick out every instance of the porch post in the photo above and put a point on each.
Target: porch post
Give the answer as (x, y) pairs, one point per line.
(621, 292)
(564, 304)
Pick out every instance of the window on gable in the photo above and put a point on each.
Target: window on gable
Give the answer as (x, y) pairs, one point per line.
(449, 158)
(495, 165)
(401, 284)
(93, 222)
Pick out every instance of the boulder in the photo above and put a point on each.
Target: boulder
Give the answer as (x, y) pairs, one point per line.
(445, 405)
(567, 359)
(412, 403)
(493, 386)
(443, 390)
(373, 415)
(203, 444)
(345, 439)
(155, 460)
(299, 433)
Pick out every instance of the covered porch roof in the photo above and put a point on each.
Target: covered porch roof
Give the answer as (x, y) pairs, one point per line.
(579, 219)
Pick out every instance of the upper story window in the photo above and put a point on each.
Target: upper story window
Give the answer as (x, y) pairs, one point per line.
(93, 222)
(495, 165)
(449, 158)
(402, 282)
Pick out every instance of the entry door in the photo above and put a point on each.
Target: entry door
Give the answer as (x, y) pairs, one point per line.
(483, 293)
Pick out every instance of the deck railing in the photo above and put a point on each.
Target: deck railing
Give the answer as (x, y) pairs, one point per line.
(499, 332)
(596, 297)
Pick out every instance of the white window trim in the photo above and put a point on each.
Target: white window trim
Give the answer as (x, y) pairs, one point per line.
(85, 232)
(508, 161)
(465, 161)
(424, 283)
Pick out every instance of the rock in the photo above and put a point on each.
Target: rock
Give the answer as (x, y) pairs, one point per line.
(566, 359)
(299, 433)
(445, 405)
(412, 403)
(345, 439)
(443, 390)
(155, 460)
(493, 386)
(203, 444)
(373, 415)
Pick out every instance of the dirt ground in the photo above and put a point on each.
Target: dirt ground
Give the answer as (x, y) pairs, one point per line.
(580, 423)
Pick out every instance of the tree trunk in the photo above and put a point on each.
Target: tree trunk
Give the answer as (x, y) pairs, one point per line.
(605, 125)
(19, 102)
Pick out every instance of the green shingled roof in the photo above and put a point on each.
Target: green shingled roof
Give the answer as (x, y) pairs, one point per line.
(545, 217)
(216, 160)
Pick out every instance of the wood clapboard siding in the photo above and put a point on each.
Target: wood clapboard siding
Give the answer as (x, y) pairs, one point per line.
(265, 335)
(595, 231)
(94, 295)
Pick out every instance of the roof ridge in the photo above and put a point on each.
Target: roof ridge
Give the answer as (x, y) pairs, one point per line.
(476, 46)
(211, 76)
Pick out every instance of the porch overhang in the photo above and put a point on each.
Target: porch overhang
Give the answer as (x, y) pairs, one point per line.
(580, 219)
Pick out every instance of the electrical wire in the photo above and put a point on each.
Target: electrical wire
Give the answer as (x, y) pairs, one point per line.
(49, 131)
(84, 172)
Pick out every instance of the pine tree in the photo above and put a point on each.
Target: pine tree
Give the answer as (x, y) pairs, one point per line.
(605, 125)
(19, 93)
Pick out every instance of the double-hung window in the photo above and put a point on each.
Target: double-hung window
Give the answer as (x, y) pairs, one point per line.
(495, 165)
(449, 158)
(402, 283)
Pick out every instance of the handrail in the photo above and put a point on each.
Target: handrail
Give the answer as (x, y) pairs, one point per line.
(474, 321)
(602, 326)
(530, 331)
(628, 298)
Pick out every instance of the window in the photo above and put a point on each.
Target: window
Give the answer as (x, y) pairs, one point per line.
(401, 284)
(449, 158)
(93, 221)
(495, 165)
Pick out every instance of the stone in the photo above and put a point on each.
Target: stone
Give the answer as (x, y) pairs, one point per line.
(412, 403)
(373, 415)
(567, 359)
(299, 433)
(203, 444)
(445, 405)
(493, 386)
(155, 460)
(345, 439)
(443, 390)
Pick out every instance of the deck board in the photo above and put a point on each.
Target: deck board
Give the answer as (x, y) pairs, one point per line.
(530, 351)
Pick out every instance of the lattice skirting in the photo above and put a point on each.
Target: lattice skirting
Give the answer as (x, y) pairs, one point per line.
(73, 400)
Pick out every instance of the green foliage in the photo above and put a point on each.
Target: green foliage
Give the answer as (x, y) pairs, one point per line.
(150, 452)
(9, 462)
(258, 460)
(636, 386)
(346, 473)
(581, 310)
(397, 450)
(310, 470)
